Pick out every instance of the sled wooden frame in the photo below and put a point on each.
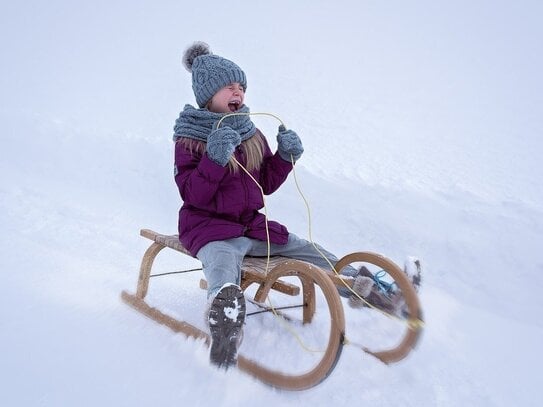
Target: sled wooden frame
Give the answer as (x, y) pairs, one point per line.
(253, 272)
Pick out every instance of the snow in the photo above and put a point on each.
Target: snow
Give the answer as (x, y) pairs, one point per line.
(421, 124)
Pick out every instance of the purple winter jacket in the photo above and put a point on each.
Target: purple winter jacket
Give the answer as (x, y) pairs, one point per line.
(219, 204)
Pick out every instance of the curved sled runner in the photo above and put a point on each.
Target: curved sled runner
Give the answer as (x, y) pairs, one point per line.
(310, 278)
(414, 323)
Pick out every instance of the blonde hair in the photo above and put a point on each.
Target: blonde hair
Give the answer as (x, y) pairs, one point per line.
(252, 148)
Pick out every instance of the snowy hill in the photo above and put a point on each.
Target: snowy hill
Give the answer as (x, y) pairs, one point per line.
(422, 127)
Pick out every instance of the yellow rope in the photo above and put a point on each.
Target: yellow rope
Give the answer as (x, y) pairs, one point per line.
(412, 323)
(249, 114)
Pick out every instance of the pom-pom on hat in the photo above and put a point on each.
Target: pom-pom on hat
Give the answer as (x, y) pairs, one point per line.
(210, 72)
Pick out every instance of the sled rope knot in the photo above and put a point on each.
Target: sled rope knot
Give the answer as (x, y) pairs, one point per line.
(415, 324)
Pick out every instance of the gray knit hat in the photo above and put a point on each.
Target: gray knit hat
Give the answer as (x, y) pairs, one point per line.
(210, 72)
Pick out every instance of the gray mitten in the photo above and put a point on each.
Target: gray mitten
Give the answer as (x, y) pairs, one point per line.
(289, 144)
(221, 144)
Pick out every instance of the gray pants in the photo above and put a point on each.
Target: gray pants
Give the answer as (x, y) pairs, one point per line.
(222, 259)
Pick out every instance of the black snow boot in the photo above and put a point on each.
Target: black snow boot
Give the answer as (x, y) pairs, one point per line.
(226, 318)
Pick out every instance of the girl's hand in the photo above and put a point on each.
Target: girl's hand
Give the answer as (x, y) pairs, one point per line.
(289, 144)
(221, 144)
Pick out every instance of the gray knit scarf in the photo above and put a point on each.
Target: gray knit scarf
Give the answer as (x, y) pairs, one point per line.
(198, 123)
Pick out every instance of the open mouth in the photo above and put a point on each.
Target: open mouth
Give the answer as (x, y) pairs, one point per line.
(234, 105)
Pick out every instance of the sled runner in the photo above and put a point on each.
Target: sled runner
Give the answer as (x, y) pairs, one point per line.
(311, 284)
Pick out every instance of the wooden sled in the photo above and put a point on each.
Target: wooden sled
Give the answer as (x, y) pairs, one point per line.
(310, 277)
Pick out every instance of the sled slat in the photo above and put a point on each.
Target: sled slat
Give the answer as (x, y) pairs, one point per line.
(250, 277)
(171, 241)
(254, 269)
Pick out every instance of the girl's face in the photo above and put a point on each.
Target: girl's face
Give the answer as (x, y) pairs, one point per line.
(228, 99)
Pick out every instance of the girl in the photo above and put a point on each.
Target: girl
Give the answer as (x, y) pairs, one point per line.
(219, 221)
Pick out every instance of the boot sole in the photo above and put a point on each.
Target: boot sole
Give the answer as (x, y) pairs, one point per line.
(226, 318)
